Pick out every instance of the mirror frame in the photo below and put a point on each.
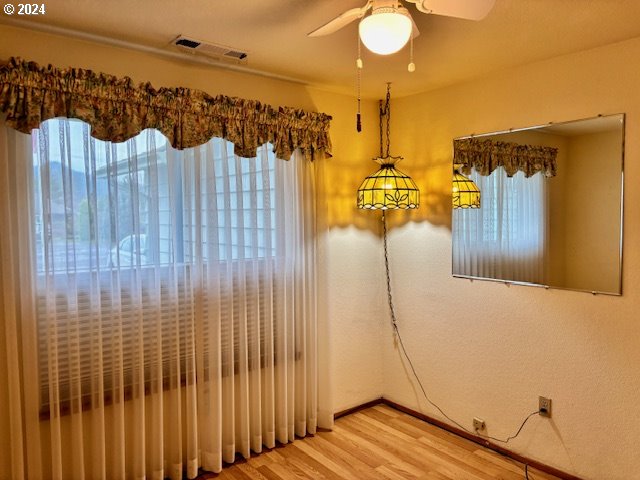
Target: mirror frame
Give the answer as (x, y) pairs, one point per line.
(621, 246)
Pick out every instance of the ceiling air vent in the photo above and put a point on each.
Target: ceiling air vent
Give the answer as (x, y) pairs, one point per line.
(209, 49)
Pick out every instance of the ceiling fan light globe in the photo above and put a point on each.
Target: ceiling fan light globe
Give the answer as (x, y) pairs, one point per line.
(385, 33)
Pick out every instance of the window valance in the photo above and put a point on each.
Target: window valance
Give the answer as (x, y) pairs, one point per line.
(485, 155)
(117, 110)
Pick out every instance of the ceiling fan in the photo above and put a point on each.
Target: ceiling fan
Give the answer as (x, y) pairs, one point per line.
(389, 26)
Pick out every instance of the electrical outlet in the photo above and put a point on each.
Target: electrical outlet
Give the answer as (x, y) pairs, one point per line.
(478, 424)
(544, 406)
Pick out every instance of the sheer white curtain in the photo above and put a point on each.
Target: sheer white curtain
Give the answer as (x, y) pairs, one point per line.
(506, 237)
(17, 395)
(164, 303)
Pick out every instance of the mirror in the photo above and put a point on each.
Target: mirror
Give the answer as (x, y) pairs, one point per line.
(555, 220)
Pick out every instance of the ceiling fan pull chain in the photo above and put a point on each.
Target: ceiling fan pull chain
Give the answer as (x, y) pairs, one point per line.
(412, 66)
(358, 82)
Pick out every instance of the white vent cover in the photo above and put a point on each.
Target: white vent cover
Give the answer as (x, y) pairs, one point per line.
(209, 49)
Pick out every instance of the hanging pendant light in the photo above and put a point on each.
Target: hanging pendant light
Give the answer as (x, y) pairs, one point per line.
(388, 188)
(466, 193)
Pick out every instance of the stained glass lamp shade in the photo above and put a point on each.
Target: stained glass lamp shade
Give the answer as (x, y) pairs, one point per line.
(388, 188)
(466, 193)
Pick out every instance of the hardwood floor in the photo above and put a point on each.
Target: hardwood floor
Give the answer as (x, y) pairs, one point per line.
(379, 443)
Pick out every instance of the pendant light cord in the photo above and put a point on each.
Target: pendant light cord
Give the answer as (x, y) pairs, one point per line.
(392, 312)
(394, 324)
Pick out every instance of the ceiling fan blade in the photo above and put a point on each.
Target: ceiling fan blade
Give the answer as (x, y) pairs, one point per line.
(467, 9)
(339, 22)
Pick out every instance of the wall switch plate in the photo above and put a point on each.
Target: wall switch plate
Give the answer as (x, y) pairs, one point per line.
(544, 406)
(478, 424)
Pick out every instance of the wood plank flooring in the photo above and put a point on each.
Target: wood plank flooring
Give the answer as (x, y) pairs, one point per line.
(379, 443)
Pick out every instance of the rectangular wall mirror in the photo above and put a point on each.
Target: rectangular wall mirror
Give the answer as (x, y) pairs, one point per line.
(551, 206)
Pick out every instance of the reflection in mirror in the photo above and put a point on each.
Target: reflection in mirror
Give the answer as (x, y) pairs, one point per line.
(551, 210)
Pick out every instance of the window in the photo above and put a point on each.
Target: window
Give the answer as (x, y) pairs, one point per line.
(137, 245)
(125, 188)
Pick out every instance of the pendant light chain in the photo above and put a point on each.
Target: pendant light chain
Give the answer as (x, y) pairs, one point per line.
(381, 137)
(388, 112)
(385, 113)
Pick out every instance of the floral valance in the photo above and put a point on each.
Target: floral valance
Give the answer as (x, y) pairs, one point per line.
(487, 155)
(117, 110)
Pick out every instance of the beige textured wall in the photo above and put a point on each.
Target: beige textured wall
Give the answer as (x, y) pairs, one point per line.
(485, 349)
(350, 294)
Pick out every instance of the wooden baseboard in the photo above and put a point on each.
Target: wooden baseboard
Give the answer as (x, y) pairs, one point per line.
(357, 408)
(461, 433)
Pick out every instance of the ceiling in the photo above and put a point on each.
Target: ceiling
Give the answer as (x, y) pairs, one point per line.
(273, 32)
